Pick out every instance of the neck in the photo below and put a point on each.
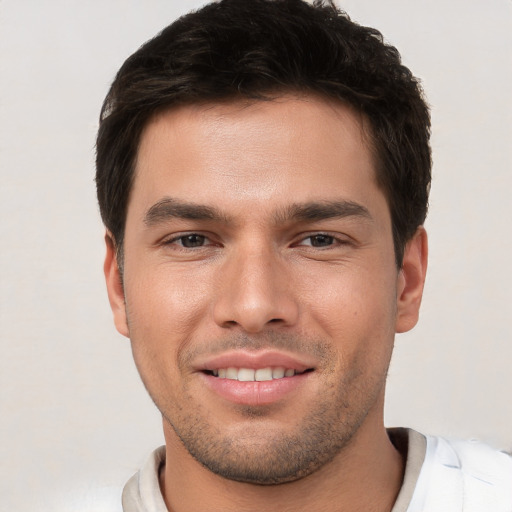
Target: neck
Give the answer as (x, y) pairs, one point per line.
(365, 476)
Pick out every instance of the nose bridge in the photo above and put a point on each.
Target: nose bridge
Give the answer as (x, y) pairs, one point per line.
(253, 292)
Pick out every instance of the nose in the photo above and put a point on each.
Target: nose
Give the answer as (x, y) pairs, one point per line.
(255, 291)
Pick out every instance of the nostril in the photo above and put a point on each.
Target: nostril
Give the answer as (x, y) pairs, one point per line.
(251, 309)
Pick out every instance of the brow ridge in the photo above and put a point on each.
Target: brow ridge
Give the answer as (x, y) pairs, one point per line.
(169, 208)
(321, 210)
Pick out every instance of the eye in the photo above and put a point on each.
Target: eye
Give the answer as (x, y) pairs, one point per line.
(319, 240)
(190, 241)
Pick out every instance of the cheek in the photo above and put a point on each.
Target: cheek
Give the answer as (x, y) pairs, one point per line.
(165, 306)
(164, 311)
(357, 310)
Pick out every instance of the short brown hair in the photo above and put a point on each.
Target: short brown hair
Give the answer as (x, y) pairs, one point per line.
(260, 49)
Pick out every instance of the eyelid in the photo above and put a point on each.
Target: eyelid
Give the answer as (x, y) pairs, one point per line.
(338, 238)
(176, 237)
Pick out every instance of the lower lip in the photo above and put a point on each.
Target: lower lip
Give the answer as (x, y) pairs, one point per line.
(255, 393)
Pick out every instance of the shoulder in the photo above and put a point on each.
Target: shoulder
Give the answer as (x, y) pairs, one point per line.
(487, 473)
(482, 461)
(466, 476)
(142, 492)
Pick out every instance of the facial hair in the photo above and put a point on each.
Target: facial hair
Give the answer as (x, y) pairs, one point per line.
(260, 452)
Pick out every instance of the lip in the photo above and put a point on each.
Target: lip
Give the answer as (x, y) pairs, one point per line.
(255, 393)
(255, 360)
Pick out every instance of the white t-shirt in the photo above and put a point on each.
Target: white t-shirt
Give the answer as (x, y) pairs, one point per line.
(440, 476)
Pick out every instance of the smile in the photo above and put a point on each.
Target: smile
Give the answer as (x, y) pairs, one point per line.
(254, 375)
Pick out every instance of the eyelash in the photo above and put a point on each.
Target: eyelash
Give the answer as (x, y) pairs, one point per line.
(332, 239)
(327, 237)
(182, 237)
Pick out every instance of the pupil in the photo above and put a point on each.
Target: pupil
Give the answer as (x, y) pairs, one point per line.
(321, 240)
(193, 241)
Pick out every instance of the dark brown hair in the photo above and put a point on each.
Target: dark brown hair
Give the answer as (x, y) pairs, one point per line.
(261, 49)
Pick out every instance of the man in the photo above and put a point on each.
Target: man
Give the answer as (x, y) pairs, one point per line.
(263, 171)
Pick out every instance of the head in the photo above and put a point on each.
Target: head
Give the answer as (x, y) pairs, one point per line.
(262, 50)
(263, 171)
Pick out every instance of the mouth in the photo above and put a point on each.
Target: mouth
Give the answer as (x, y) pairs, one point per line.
(256, 378)
(255, 374)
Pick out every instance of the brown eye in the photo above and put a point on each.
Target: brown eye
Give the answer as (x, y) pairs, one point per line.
(321, 240)
(193, 240)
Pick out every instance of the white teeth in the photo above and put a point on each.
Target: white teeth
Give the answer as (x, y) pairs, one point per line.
(278, 373)
(246, 374)
(251, 375)
(263, 374)
(232, 373)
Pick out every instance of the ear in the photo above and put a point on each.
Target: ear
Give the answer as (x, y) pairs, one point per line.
(115, 286)
(411, 280)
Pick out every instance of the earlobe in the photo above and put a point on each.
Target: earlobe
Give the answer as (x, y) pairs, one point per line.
(411, 280)
(115, 286)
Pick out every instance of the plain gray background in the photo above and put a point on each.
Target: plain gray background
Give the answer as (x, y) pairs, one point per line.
(75, 421)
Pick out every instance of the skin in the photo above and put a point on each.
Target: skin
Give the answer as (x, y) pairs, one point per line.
(255, 277)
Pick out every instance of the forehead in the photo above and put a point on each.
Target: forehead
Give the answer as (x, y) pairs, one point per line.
(256, 154)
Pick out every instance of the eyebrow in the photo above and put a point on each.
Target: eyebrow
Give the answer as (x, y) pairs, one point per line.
(321, 210)
(170, 208)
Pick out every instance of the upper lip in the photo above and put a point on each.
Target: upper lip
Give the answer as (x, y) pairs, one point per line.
(256, 360)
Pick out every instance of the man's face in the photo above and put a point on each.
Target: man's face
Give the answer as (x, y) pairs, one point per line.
(261, 294)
